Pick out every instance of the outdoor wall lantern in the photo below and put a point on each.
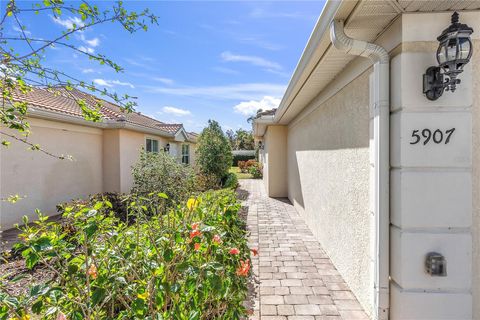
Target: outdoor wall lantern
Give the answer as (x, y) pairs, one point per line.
(167, 148)
(453, 53)
(260, 145)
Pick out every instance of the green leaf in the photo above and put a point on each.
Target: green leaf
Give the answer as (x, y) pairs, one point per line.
(98, 295)
(168, 255)
(194, 315)
(31, 260)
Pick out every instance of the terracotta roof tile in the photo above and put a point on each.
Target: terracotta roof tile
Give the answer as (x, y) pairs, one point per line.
(62, 101)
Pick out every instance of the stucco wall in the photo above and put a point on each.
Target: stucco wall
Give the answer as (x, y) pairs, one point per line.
(275, 161)
(328, 175)
(46, 181)
(476, 178)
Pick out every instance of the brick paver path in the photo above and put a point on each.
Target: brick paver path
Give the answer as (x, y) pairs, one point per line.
(295, 279)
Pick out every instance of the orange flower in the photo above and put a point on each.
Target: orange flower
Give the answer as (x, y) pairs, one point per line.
(196, 246)
(234, 251)
(195, 233)
(254, 251)
(244, 268)
(217, 239)
(92, 271)
(195, 226)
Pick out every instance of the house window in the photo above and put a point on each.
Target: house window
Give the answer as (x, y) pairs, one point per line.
(185, 154)
(152, 145)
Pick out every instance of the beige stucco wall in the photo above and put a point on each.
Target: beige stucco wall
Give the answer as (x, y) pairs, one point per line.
(328, 181)
(46, 181)
(476, 178)
(274, 160)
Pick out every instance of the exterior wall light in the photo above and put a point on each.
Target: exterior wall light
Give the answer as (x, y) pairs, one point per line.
(167, 148)
(453, 53)
(260, 145)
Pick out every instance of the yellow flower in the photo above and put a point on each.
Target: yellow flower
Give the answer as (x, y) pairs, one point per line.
(192, 204)
(143, 296)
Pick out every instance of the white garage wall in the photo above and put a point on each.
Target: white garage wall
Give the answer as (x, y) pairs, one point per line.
(46, 181)
(328, 181)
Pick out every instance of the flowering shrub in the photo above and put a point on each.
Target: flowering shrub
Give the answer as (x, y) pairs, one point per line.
(190, 263)
(256, 170)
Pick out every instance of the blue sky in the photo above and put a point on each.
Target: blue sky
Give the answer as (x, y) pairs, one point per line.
(205, 60)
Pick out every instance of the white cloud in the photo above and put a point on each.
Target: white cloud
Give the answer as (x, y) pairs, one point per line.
(88, 70)
(254, 60)
(95, 42)
(248, 108)
(69, 22)
(17, 29)
(86, 49)
(243, 91)
(163, 80)
(176, 111)
(112, 83)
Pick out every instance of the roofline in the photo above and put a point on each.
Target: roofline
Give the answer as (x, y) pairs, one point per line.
(260, 125)
(105, 124)
(321, 30)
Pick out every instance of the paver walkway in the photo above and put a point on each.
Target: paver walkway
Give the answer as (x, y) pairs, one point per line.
(295, 279)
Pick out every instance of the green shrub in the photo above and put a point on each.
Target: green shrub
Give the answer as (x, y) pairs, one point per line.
(160, 172)
(240, 157)
(213, 153)
(256, 170)
(231, 181)
(190, 263)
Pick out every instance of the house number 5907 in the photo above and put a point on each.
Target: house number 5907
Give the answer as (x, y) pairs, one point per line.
(437, 136)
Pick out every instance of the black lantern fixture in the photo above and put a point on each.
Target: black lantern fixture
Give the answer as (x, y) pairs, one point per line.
(260, 145)
(453, 53)
(167, 148)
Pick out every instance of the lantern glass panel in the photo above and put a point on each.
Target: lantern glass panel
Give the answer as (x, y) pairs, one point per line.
(441, 54)
(465, 47)
(452, 50)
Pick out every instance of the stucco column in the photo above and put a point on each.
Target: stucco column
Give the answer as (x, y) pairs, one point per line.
(431, 179)
(275, 161)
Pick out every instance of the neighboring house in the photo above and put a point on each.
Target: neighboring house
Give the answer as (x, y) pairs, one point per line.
(103, 152)
(365, 157)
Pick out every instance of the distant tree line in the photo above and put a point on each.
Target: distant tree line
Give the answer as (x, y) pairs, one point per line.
(240, 139)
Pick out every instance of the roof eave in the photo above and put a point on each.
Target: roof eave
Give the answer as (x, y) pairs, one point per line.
(314, 50)
(260, 125)
(105, 124)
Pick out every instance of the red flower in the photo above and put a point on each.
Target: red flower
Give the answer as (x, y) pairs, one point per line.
(196, 246)
(195, 226)
(195, 233)
(234, 251)
(244, 268)
(254, 251)
(217, 239)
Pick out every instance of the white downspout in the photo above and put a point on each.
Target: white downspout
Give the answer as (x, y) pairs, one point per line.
(381, 125)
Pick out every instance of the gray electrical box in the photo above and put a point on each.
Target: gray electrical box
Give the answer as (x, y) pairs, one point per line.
(436, 265)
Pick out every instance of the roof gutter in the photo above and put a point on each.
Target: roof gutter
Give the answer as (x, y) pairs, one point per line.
(260, 125)
(381, 127)
(321, 27)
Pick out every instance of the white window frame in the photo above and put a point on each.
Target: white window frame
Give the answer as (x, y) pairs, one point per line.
(186, 154)
(153, 142)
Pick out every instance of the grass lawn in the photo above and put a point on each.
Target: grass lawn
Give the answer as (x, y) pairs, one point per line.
(239, 174)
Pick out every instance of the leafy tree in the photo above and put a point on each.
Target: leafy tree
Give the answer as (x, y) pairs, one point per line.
(214, 153)
(22, 57)
(241, 139)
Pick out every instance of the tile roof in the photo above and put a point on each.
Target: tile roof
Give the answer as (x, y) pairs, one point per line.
(64, 102)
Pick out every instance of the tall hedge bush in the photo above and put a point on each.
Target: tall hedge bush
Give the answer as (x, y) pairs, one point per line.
(160, 172)
(214, 153)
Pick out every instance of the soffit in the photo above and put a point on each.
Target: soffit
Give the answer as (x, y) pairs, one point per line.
(366, 21)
